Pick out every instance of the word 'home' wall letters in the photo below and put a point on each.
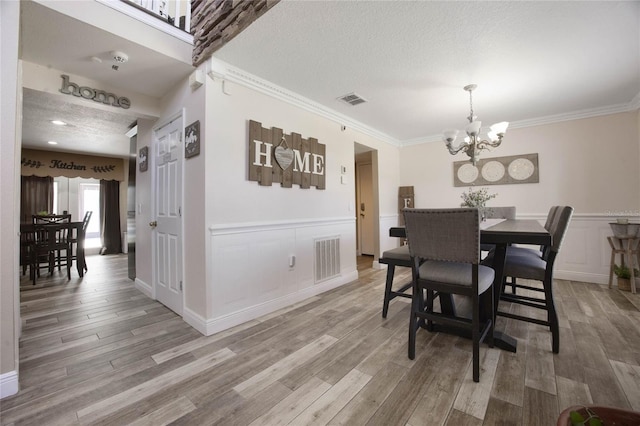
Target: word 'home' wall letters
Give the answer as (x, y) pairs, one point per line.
(288, 159)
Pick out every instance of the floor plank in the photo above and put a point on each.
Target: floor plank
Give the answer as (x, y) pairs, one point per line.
(95, 350)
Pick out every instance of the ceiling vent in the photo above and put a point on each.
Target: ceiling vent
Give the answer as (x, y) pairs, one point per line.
(352, 99)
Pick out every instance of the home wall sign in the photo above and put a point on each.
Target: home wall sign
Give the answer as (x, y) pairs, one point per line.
(497, 171)
(50, 163)
(97, 95)
(192, 140)
(288, 159)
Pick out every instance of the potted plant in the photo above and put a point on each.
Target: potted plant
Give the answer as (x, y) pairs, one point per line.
(624, 275)
(477, 198)
(594, 415)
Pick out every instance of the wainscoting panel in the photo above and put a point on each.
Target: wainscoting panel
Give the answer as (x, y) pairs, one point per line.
(585, 252)
(259, 268)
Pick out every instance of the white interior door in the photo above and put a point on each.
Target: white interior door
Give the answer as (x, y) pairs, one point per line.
(365, 210)
(167, 235)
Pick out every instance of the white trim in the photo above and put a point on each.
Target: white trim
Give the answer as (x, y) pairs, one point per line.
(581, 277)
(239, 228)
(152, 21)
(9, 384)
(214, 325)
(220, 69)
(144, 288)
(548, 119)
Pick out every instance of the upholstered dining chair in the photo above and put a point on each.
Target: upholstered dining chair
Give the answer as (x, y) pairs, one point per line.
(398, 256)
(541, 251)
(497, 213)
(444, 245)
(537, 265)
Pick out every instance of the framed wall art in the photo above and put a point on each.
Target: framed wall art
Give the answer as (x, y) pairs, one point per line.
(192, 140)
(497, 171)
(143, 158)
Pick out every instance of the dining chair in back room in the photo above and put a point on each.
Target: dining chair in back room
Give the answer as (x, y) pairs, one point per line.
(444, 245)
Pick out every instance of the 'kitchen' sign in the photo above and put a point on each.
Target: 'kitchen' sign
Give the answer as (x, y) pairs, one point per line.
(288, 159)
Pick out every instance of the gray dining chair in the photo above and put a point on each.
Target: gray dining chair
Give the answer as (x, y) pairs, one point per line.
(398, 256)
(497, 213)
(537, 265)
(444, 245)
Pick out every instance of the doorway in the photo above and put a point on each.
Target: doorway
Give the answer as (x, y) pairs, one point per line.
(367, 205)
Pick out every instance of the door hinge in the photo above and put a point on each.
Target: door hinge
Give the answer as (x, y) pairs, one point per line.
(180, 285)
(180, 211)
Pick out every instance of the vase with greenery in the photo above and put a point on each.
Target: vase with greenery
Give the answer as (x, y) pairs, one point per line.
(477, 198)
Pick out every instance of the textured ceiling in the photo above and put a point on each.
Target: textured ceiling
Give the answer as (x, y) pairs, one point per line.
(87, 130)
(410, 59)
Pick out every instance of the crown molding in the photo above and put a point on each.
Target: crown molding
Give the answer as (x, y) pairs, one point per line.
(549, 119)
(220, 69)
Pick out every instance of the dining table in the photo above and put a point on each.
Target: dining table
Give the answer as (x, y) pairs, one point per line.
(501, 233)
(30, 233)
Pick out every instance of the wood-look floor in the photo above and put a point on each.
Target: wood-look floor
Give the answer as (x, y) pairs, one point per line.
(97, 351)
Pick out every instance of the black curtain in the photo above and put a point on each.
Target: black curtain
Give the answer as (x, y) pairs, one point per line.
(110, 217)
(36, 195)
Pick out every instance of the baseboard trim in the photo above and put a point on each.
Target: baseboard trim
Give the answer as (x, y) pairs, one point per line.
(215, 325)
(9, 384)
(145, 288)
(581, 276)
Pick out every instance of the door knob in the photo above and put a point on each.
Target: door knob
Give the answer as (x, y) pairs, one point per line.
(153, 224)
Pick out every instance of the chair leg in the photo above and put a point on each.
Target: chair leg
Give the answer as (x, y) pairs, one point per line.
(429, 308)
(387, 289)
(413, 323)
(475, 337)
(552, 316)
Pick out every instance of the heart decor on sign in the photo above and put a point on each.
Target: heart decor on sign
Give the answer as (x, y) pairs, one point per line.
(284, 155)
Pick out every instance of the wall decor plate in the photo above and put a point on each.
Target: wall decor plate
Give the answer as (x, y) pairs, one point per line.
(497, 171)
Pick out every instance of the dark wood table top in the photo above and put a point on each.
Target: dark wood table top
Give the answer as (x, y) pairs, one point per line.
(522, 231)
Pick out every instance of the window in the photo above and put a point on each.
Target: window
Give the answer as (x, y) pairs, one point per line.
(89, 200)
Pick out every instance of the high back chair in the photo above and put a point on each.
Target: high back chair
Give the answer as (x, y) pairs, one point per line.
(538, 266)
(497, 213)
(40, 219)
(444, 245)
(395, 257)
(51, 239)
(77, 240)
(47, 219)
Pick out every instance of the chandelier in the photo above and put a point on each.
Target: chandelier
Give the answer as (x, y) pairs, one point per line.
(473, 143)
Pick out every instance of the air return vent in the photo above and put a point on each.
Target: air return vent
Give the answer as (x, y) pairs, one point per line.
(327, 258)
(352, 99)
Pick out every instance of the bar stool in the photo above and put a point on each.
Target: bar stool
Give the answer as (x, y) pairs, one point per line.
(624, 246)
(395, 257)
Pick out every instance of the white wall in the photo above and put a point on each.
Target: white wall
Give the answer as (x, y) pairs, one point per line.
(10, 136)
(250, 231)
(590, 164)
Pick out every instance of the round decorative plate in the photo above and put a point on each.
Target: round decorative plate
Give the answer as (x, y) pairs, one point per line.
(521, 169)
(493, 171)
(467, 173)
